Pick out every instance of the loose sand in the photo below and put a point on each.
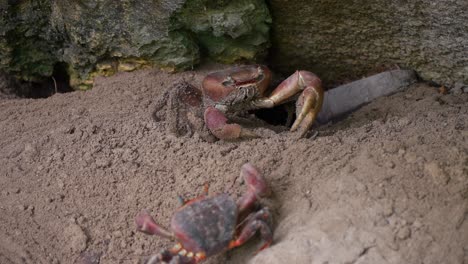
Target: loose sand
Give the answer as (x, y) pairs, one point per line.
(387, 184)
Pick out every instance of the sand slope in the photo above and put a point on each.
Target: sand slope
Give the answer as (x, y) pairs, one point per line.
(387, 184)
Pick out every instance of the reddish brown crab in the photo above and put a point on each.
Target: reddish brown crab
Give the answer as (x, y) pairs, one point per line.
(244, 88)
(206, 226)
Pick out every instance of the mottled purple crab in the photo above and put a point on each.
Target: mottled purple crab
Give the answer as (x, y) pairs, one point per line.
(241, 89)
(206, 226)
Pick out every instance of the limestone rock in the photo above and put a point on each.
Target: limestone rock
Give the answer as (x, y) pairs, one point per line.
(342, 40)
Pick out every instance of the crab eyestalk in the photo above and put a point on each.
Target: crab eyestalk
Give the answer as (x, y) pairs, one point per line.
(256, 187)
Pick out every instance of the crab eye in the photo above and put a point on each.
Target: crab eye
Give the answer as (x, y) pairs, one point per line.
(228, 81)
(260, 71)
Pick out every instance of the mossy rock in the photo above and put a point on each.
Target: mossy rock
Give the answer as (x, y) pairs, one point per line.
(101, 37)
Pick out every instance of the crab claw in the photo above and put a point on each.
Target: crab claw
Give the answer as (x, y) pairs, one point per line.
(257, 222)
(146, 224)
(256, 187)
(254, 180)
(309, 103)
(307, 107)
(217, 124)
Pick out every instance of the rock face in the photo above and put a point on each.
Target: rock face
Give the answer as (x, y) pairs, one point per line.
(342, 40)
(100, 37)
(337, 40)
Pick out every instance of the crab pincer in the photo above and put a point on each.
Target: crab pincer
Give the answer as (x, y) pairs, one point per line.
(218, 124)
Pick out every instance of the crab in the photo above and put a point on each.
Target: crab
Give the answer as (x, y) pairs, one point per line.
(244, 88)
(206, 226)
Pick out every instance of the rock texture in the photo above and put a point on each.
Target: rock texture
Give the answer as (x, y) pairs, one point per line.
(342, 40)
(101, 37)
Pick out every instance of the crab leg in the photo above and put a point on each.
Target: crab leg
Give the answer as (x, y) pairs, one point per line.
(161, 257)
(170, 258)
(146, 224)
(260, 221)
(310, 100)
(256, 185)
(217, 124)
(183, 201)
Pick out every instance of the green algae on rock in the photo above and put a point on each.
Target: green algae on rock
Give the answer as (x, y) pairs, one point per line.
(27, 45)
(228, 30)
(101, 37)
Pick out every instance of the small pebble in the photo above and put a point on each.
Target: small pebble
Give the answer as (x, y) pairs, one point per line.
(389, 164)
(80, 220)
(117, 234)
(378, 192)
(404, 121)
(417, 224)
(388, 209)
(410, 157)
(29, 148)
(404, 233)
(388, 177)
(123, 244)
(103, 163)
(401, 152)
(139, 251)
(437, 174)
(76, 238)
(60, 184)
(393, 221)
(390, 147)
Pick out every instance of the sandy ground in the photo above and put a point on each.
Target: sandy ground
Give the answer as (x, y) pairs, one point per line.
(387, 184)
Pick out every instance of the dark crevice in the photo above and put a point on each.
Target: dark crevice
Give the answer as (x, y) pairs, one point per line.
(276, 116)
(59, 82)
